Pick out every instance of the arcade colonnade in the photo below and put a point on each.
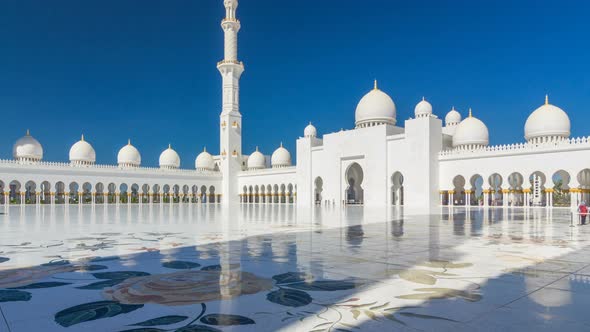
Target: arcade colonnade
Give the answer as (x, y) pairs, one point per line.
(19, 192)
(559, 188)
(269, 194)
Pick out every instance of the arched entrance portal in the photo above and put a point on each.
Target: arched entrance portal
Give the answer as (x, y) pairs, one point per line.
(397, 189)
(354, 178)
(319, 187)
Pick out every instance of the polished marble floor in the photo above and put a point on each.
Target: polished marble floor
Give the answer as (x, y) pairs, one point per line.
(275, 268)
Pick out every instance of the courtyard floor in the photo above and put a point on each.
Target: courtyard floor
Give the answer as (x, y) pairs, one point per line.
(193, 268)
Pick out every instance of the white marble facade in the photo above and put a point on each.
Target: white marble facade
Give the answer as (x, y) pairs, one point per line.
(421, 163)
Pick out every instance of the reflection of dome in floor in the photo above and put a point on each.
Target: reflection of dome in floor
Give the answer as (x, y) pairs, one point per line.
(553, 298)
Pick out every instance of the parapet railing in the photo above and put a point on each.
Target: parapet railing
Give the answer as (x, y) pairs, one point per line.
(558, 145)
(287, 169)
(62, 165)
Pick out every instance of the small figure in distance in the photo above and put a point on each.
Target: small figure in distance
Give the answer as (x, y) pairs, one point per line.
(583, 210)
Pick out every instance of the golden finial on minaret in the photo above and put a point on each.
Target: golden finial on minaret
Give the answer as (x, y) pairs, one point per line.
(470, 113)
(375, 87)
(546, 99)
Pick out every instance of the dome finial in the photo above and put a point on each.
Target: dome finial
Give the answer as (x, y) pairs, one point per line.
(423, 98)
(169, 146)
(375, 87)
(470, 113)
(547, 99)
(28, 133)
(257, 148)
(204, 149)
(281, 144)
(129, 141)
(82, 138)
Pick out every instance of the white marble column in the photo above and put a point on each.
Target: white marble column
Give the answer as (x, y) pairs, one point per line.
(6, 202)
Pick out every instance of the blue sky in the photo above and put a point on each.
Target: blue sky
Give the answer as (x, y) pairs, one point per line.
(145, 69)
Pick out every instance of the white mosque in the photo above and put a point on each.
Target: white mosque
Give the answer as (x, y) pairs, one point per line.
(423, 164)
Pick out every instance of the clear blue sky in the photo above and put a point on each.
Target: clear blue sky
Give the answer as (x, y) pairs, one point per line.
(145, 69)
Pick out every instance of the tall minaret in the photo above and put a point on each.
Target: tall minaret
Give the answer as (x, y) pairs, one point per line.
(230, 119)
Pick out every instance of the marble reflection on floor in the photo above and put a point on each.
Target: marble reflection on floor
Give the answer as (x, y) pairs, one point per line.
(254, 268)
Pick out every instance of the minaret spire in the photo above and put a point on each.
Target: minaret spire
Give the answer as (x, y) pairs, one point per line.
(230, 137)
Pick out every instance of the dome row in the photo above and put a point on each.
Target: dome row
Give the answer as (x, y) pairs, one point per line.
(279, 159)
(547, 123)
(28, 149)
(82, 153)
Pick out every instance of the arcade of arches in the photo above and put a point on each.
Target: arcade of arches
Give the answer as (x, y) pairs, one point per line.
(525, 190)
(30, 192)
(266, 194)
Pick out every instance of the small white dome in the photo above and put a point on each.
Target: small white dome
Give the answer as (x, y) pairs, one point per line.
(423, 109)
(280, 158)
(82, 153)
(205, 161)
(310, 131)
(129, 156)
(471, 132)
(169, 159)
(453, 118)
(376, 107)
(27, 148)
(256, 160)
(547, 121)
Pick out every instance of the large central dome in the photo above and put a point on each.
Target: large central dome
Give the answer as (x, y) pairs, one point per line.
(375, 108)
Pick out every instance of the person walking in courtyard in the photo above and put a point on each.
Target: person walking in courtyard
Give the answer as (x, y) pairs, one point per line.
(583, 210)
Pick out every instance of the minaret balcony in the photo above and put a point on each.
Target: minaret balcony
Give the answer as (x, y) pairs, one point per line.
(232, 62)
